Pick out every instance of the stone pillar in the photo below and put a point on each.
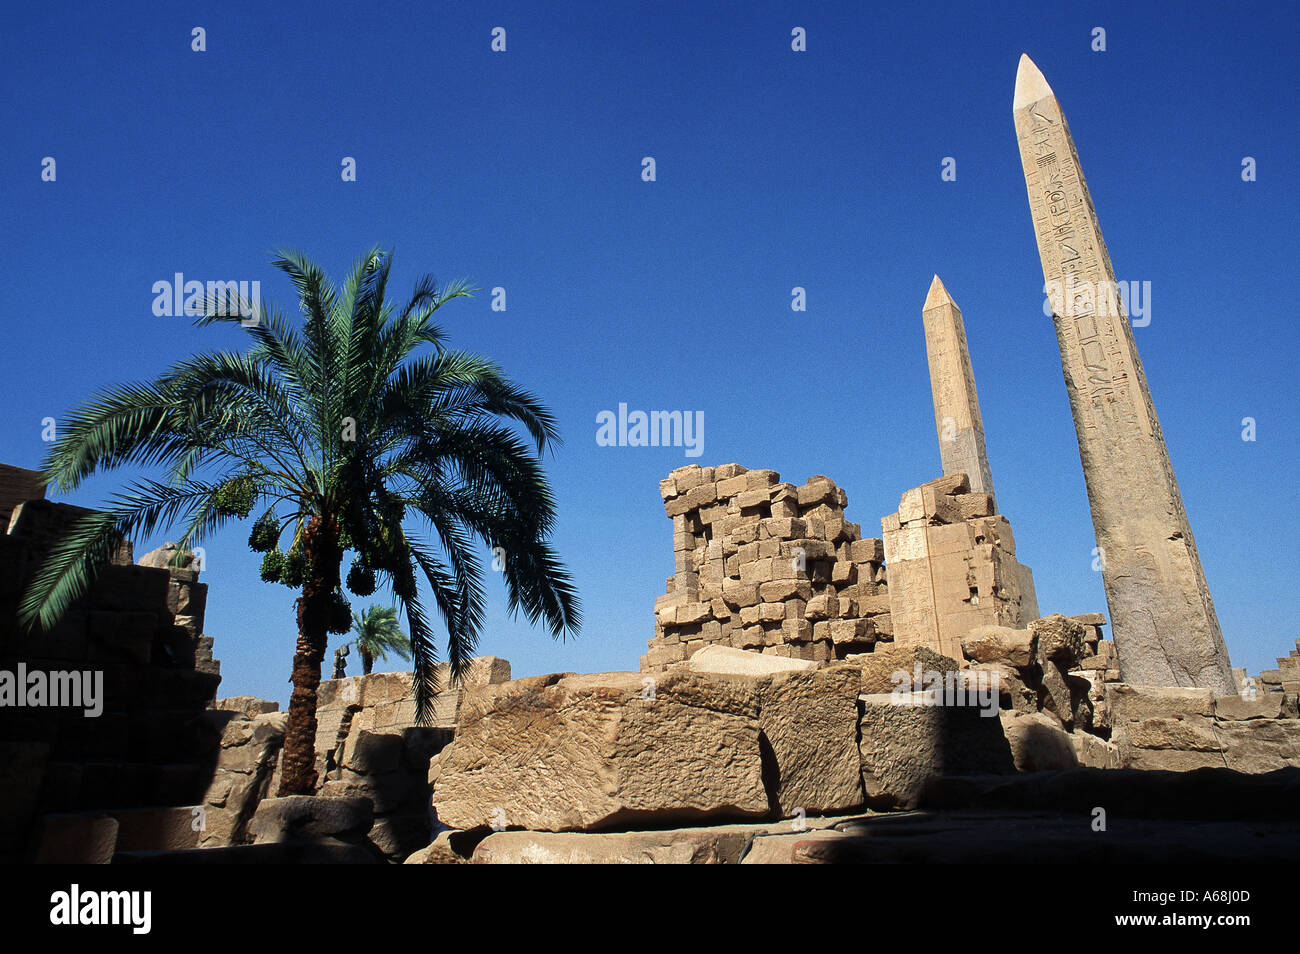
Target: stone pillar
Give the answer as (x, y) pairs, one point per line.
(1165, 628)
(952, 567)
(952, 383)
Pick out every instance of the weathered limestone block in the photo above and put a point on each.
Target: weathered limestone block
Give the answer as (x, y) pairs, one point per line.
(449, 847)
(890, 667)
(822, 606)
(1164, 727)
(1103, 657)
(309, 818)
(1059, 640)
(1168, 760)
(871, 550)
(818, 490)
(244, 774)
(906, 743)
(1094, 752)
(1187, 733)
(927, 505)
(1038, 743)
(970, 506)
(1013, 692)
(1260, 745)
(874, 605)
(1265, 705)
(1136, 703)
(159, 829)
(1059, 647)
(591, 752)
(385, 701)
(999, 644)
(721, 844)
(726, 661)
(809, 720)
(786, 848)
(168, 556)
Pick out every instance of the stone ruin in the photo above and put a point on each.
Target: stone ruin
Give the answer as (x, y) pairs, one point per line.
(953, 561)
(748, 710)
(167, 766)
(766, 566)
(774, 568)
(149, 749)
(797, 671)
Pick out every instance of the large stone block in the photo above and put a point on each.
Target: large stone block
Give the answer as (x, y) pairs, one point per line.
(591, 752)
(1186, 733)
(726, 661)
(1260, 745)
(721, 844)
(1038, 743)
(999, 644)
(160, 829)
(1059, 640)
(449, 847)
(906, 743)
(809, 721)
(889, 667)
(399, 835)
(1265, 705)
(309, 817)
(249, 706)
(1137, 703)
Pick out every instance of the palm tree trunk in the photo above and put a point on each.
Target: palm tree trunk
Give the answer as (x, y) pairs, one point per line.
(321, 547)
(367, 660)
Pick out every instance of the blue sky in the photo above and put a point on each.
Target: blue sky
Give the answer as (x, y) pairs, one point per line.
(775, 169)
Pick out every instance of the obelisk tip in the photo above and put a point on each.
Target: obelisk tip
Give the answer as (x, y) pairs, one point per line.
(938, 295)
(1030, 84)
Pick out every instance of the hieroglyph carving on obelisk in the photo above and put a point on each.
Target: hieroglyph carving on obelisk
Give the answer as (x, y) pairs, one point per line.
(1165, 629)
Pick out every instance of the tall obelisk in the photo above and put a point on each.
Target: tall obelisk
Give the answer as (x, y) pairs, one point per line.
(1164, 625)
(952, 384)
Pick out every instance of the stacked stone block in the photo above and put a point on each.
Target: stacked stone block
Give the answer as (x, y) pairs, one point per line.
(1064, 704)
(368, 745)
(247, 771)
(1286, 677)
(141, 627)
(952, 565)
(385, 702)
(766, 566)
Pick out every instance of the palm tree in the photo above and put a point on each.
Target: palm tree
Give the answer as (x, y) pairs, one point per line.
(344, 428)
(378, 633)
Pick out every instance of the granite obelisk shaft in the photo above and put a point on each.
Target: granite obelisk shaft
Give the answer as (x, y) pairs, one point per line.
(1165, 629)
(952, 385)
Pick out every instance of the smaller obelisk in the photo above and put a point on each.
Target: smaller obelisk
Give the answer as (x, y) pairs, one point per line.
(952, 384)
